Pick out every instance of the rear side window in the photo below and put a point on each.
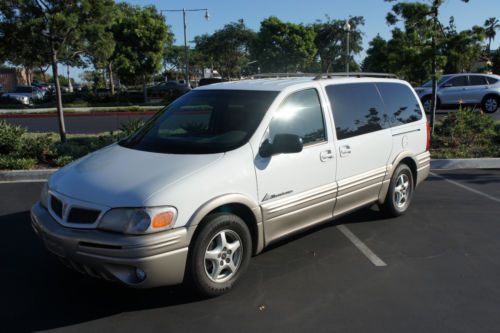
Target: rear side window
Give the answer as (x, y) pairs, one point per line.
(401, 106)
(300, 114)
(477, 80)
(492, 80)
(458, 81)
(357, 109)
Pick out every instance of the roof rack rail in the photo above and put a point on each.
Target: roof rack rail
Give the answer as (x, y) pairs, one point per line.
(282, 75)
(355, 74)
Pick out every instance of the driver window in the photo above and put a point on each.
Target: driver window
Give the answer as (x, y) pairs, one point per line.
(300, 114)
(458, 81)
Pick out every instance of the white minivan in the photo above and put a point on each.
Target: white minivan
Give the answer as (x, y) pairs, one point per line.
(228, 169)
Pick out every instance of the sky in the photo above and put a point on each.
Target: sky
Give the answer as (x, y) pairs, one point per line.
(308, 11)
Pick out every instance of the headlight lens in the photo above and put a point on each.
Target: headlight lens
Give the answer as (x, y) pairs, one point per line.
(136, 221)
(44, 196)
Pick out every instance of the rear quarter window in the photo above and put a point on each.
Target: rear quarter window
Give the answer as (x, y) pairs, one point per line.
(401, 105)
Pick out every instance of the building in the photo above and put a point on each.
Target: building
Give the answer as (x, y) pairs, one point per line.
(10, 78)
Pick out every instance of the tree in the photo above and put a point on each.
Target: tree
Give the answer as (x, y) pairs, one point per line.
(496, 62)
(377, 56)
(330, 42)
(283, 46)
(227, 49)
(491, 26)
(462, 49)
(421, 22)
(141, 37)
(62, 28)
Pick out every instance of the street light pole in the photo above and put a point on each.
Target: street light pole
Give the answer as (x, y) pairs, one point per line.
(186, 50)
(347, 27)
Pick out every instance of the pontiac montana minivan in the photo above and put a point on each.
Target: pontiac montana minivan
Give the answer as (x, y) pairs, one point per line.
(229, 168)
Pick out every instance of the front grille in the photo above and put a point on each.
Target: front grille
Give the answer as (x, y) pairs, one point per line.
(57, 206)
(83, 216)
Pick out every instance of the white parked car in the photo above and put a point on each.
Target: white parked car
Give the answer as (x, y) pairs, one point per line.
(228, 169)
(463, 89)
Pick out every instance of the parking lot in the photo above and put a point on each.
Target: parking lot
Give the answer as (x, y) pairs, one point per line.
(441, 273)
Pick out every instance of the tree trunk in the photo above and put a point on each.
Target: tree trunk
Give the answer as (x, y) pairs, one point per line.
(60, 114)
(145, 90)
(434, 85)
(111, 80)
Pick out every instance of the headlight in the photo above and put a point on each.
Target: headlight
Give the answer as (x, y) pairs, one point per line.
(137, 221)
(44, 195)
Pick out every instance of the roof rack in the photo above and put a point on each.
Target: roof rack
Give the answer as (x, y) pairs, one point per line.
(355, 74)
(282, 75)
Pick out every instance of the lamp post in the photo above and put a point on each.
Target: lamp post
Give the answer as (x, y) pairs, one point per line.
(186, 52)
(347, 27)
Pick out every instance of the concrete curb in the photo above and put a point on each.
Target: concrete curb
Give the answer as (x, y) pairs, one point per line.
(466, 163)
(80, 114)
(25, 175)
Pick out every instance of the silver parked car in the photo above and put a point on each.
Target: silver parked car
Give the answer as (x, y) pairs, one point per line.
(464, 89)
(25, 94)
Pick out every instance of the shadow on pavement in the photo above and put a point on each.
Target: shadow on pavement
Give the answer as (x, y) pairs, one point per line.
(38, 292)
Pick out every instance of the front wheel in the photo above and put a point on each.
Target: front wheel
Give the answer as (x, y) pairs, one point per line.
(220, 254)
(490, 104)
(400, 192)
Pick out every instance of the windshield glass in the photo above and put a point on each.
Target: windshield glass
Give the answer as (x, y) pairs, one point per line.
(441, 80)
(203, 122)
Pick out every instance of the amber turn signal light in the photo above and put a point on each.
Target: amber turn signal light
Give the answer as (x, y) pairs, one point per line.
(162, 220)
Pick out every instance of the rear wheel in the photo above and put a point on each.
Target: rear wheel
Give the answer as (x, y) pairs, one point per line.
(220, 255)
(400, 192)
(490, 103)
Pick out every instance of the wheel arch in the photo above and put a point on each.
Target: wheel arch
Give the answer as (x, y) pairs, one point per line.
(405, 157)
(238, 204)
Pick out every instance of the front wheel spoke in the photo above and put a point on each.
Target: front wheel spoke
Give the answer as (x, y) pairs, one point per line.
(234, 246)
(223, 239)
(216, 270)
(212, 254)
(231, 266)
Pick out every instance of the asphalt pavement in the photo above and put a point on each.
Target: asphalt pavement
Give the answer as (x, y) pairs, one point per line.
(441, 274)
(86, 124)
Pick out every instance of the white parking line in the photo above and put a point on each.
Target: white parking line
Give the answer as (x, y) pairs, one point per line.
(466, 187)
(361, 246)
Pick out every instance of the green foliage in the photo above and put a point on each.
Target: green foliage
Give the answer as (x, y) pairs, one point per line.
(466, 134)
(131, 127)
(227, 49)
(16, 163)
(284, 46)
(491, 26)
(10, 137)
(141, 36)
(330, 42)
(496, 62)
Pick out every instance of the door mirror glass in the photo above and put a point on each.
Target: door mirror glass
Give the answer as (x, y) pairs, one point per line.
(282, 144)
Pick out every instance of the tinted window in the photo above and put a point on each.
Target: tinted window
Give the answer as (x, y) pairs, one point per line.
(24, 89)
(401, 106)
(492, 80)
(477, 80)
(300, 114)
(203, 122)
(458, 81)
(357, 109)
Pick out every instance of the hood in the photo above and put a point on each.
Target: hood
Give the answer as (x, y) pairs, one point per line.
(121, 177)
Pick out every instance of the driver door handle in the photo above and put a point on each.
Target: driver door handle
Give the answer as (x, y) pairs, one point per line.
(326, 155)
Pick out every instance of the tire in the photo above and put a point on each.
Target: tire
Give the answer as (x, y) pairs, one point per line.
(397, 201)
(490, 104)
(210, 250)
(427, 100)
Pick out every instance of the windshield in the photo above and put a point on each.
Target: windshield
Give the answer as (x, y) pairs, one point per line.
(203, 122)
(428, 84)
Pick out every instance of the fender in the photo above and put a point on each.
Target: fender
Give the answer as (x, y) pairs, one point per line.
(225, 199)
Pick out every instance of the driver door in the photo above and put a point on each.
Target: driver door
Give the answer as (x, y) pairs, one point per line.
(453, 91)
(297, 189)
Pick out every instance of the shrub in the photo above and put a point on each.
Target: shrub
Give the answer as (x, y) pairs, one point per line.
(38, 147)
(16, 163)
(466, 134)
(63, 160)
(10, 137)
(131, 127)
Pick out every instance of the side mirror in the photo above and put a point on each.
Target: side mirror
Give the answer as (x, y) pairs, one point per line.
(282, 144)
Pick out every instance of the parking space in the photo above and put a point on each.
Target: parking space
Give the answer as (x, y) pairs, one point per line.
(440, 274)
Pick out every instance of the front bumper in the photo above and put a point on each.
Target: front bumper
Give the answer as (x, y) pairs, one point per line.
(117, 257)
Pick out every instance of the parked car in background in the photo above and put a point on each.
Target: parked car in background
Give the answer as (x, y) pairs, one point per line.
(207, 81)
(230, 168)
(24, 94)
(1, 89)
(169, 87)
(463, 89)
